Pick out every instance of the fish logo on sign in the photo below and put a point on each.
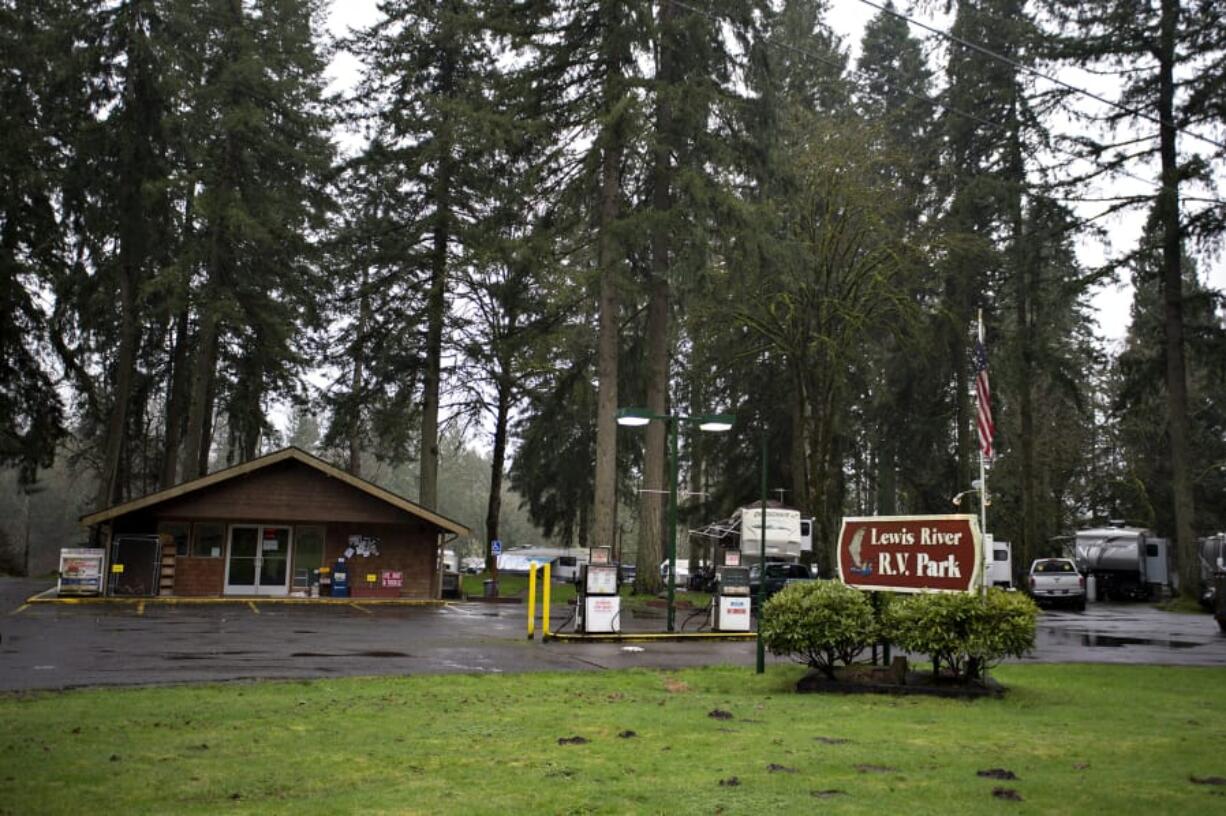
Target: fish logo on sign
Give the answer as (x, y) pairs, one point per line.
(859, 567)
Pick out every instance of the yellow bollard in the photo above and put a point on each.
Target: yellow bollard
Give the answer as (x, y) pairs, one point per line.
(545, 592)
(531, 600)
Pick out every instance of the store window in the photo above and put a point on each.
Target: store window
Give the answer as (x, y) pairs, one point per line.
(308, 549)
(179, 530)
(210, 540)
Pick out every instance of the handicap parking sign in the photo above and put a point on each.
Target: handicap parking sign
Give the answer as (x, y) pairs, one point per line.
(496, 547)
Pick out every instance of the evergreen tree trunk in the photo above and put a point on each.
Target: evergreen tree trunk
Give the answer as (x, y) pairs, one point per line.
(176, 396)
(651, 502)
(1021, 259)
(800, 465)
(493, 510)
(436, 307)
(655, 456)
(199, 419)
(359, 359)
(887, 481)
(109, 487)
(607, 343)
(1172, 288)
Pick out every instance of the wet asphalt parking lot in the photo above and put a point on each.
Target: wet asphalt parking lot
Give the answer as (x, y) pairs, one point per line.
(50, 646)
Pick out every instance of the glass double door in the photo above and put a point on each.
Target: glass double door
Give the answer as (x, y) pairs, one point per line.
(257, 561)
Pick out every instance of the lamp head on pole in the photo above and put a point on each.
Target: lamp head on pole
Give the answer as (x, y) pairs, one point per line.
(633, 417)
(716, 422)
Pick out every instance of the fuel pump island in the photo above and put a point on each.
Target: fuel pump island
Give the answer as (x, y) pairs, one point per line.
(598, 604)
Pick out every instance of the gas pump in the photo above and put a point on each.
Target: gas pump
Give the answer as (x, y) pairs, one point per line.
(730, 601)
(598, 607)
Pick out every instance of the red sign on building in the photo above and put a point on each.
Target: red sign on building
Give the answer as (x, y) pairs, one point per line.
(911, 553)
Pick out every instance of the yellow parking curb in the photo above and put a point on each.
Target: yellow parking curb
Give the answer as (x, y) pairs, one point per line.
(645, 637)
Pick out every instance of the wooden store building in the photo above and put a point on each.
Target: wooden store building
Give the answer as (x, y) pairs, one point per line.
(272, 527)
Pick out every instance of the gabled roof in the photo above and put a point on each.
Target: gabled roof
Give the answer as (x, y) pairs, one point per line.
(295, 454)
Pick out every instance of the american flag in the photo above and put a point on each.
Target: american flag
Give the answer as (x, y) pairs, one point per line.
(983, 417)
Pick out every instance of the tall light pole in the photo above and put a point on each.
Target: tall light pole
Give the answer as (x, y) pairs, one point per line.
(639, 417)
(762, 562)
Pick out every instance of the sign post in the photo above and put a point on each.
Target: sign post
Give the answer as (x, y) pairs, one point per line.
(495, 551)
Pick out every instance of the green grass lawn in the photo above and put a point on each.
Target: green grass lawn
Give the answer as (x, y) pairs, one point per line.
(1080, 739)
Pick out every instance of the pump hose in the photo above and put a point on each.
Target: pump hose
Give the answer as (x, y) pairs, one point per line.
(692, 615)
(574, 610)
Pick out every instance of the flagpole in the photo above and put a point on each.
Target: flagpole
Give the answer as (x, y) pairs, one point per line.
(983, 493)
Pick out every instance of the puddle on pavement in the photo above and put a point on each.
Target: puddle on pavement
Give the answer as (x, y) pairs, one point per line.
(1095, 640)
(371, 653)
(1114, 641)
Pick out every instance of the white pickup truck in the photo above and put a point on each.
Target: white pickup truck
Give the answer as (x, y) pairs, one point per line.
(1056, 581)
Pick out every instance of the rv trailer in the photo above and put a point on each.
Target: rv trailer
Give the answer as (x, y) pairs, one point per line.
(1126, 563)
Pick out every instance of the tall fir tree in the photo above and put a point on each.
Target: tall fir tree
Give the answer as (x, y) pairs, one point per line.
(1170, 53)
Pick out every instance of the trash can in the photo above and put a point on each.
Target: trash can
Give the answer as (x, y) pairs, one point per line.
(491, 588)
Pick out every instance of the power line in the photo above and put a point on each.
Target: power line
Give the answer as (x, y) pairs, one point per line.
(1140, 114)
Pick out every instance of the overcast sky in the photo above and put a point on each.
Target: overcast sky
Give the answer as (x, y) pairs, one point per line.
(848, 18)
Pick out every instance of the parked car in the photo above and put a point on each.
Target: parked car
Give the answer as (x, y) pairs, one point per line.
(778, 575)
(1057, 581)
(683, 573)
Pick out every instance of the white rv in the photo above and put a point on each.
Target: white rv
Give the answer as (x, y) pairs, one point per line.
(999, 558)
(787, 533)
(1125, 562)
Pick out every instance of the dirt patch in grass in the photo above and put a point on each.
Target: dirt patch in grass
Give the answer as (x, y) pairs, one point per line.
(866, 768)
(674, 686)
(996, 773)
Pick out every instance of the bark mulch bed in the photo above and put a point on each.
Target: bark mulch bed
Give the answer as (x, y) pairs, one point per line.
(897, 679)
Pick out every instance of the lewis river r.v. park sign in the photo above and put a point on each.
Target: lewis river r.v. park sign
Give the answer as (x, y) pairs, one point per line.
(911, 553)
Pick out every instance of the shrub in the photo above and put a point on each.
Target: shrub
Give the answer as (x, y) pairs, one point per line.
(966, 633)
(818, 623)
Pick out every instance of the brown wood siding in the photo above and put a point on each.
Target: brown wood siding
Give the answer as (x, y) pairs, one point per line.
(290, 493)
(412, 550)
(287, 491)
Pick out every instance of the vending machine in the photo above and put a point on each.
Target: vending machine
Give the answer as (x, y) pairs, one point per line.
(598, 607)
(81, 571)
(730, 601)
